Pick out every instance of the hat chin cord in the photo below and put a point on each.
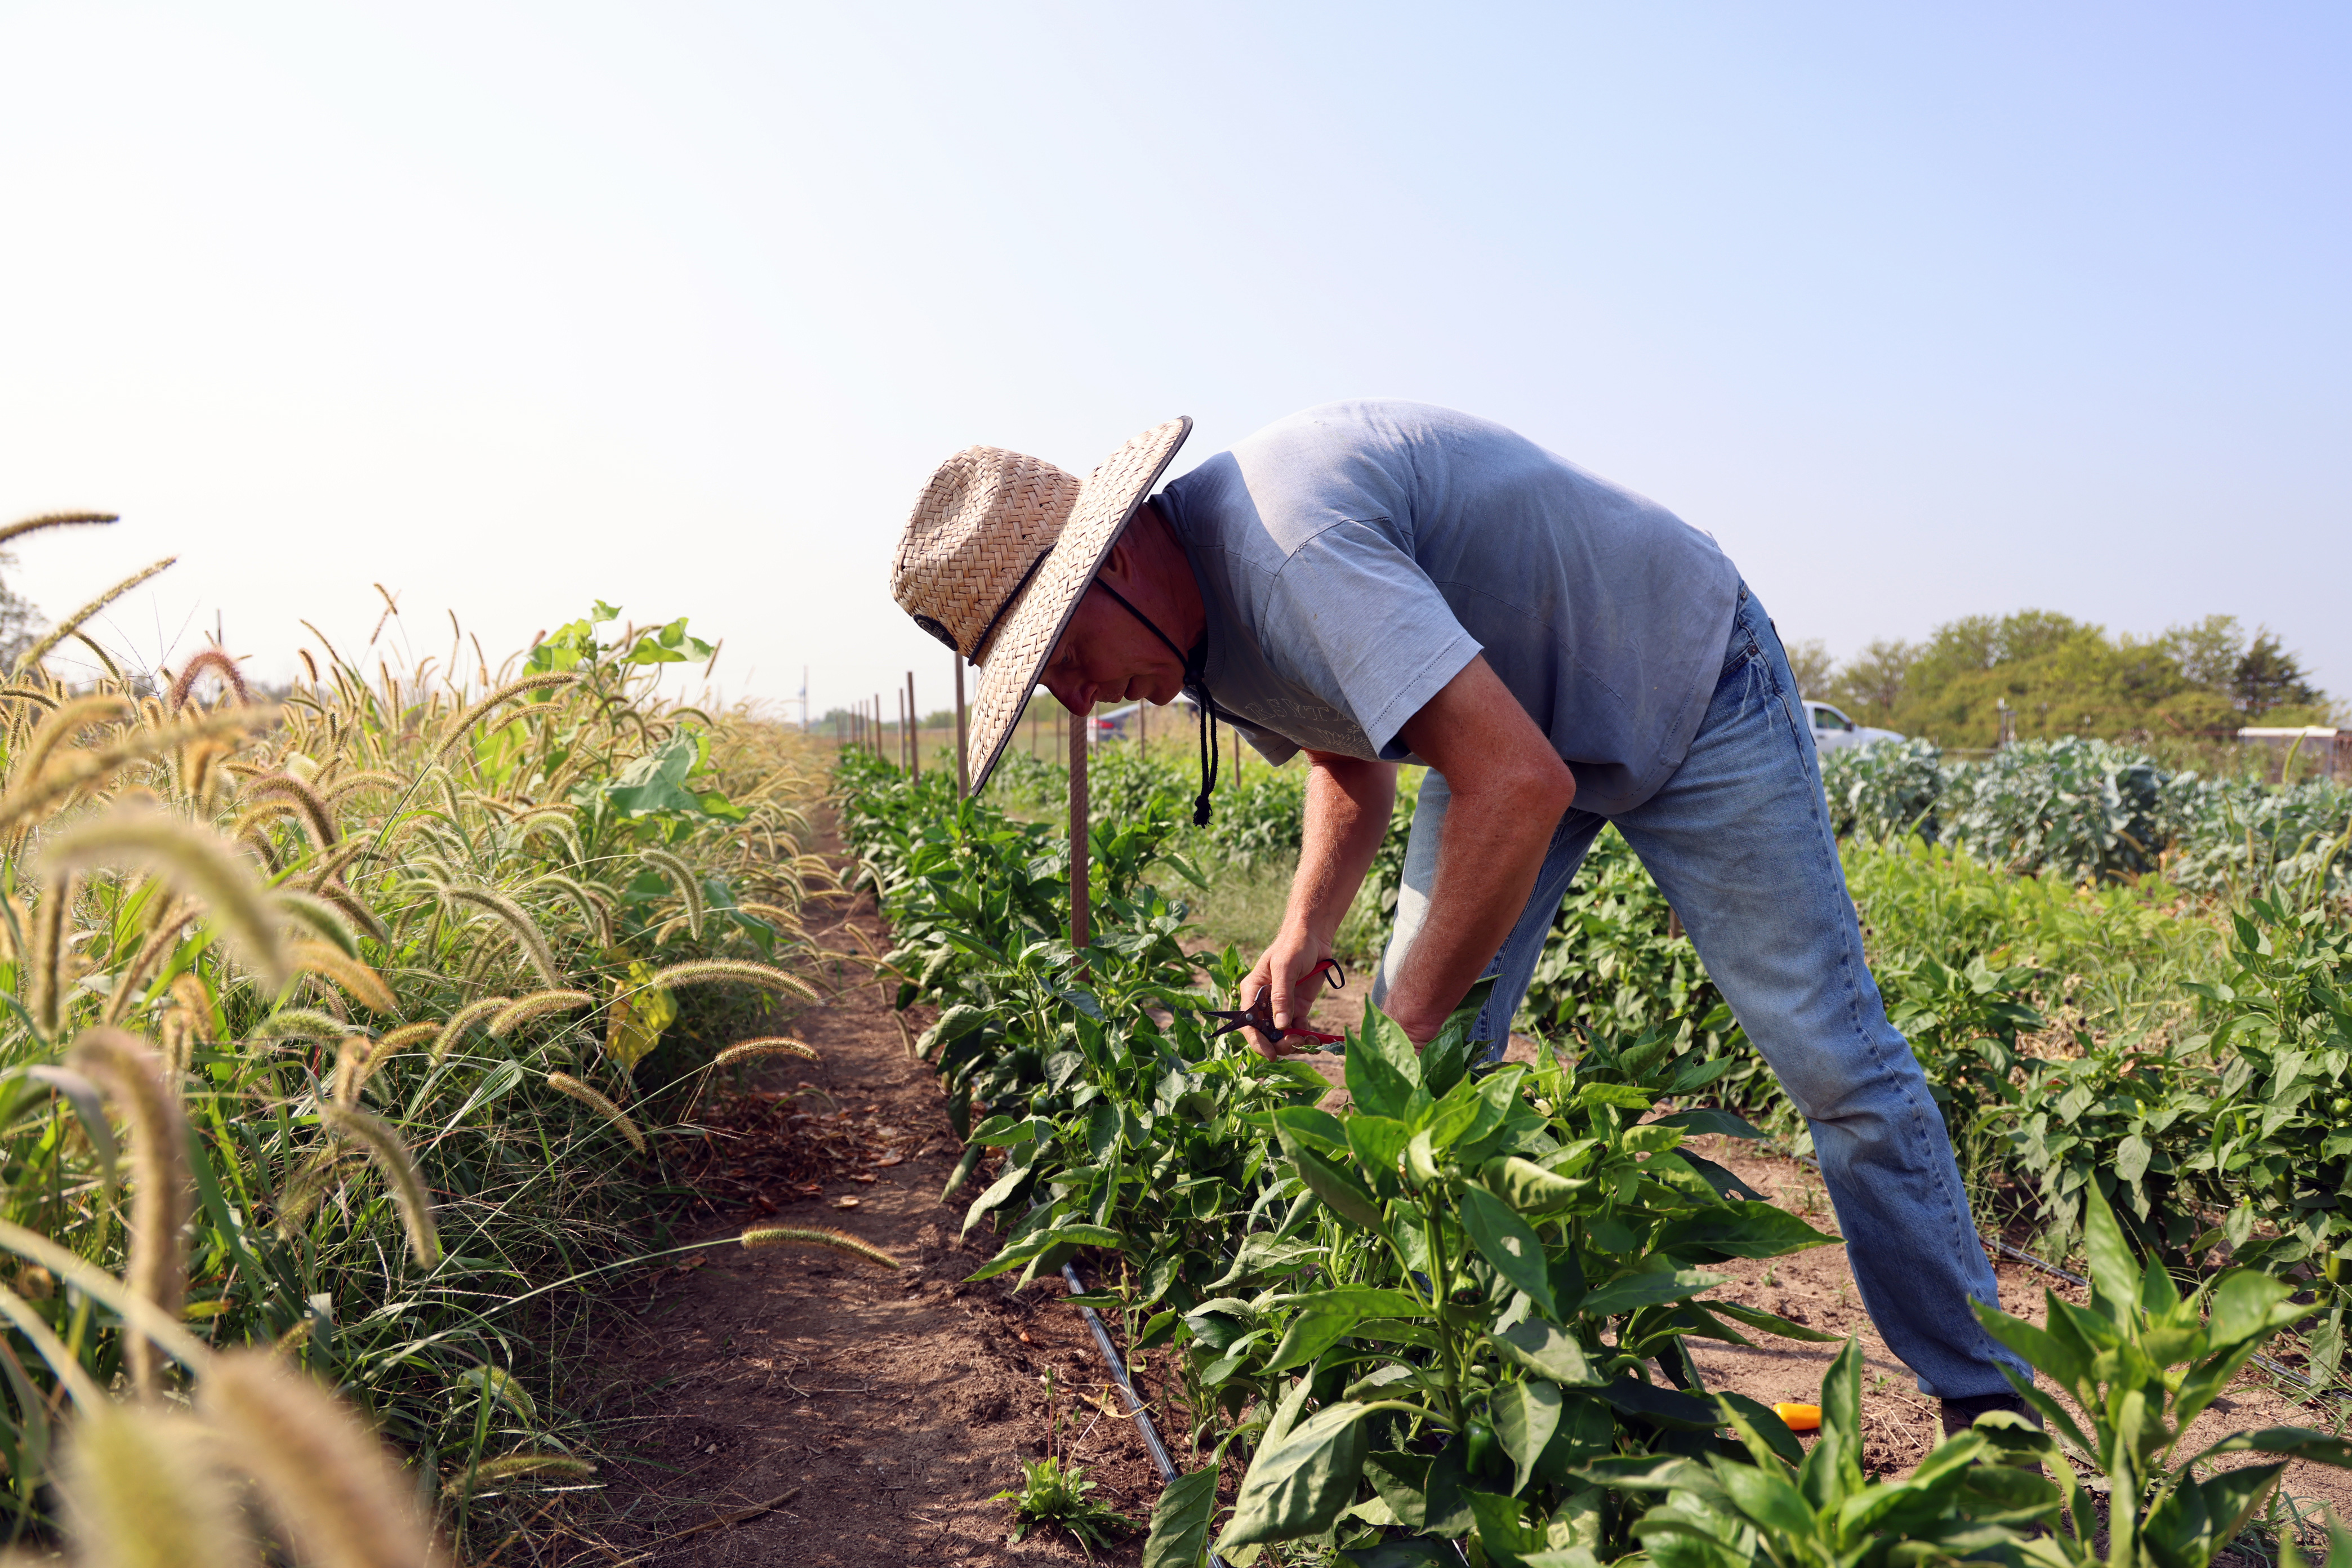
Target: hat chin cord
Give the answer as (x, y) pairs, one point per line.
(1196, 664)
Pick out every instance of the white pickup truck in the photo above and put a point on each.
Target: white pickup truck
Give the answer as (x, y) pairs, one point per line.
(1833, 730)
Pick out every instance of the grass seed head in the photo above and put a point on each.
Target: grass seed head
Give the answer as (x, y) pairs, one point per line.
(324, 1477)
(508, 1467)
(709, 971)
(565, 1083)
(832, 1240)
(140, 1492)
(132, 1076)
(681, 876)
(361, 981)
(313, 807)
(465, 1018)
(390, 1156)
(774, 1046)
(31, 658)
(473, 715)
(72, 715)
(538, 1005)
(220, 664)
(196, 861)
(526, 931)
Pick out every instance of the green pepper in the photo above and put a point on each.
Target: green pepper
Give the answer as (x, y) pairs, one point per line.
(1479, 1448)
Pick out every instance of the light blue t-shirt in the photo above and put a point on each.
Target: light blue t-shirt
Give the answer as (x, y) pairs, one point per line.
(1354, 558)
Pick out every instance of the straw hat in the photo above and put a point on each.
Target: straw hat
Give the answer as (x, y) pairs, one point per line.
(999, 549)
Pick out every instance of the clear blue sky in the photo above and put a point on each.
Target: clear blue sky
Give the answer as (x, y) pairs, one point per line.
(1923, 312)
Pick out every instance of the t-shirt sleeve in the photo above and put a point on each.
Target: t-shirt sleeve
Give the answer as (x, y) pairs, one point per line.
(1352, 617)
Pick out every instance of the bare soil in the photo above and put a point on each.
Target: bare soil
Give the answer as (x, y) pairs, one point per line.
(789, 1406)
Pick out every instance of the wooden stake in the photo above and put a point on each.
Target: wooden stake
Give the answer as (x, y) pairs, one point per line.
(914, 732)
(963, 763)
(1078, 847)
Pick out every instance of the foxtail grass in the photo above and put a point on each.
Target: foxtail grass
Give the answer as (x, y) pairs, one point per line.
(832, 1240)
(32, 798)
(141, 1494)
(54, 519)
(220, 664)
(72, 715)
(772, 1046)
(538, 1005)
(31, 658)
(712, 970)
(132, 1076)
(465, 1018)
(565, 1083)
(324, 1477)
(682, 878)
(398, 1166)
(526, 930)
(465, 721)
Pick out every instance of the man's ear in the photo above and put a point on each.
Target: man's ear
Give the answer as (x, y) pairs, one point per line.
(1120, 564)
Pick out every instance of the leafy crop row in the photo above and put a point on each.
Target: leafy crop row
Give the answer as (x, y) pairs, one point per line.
(1456, 1310)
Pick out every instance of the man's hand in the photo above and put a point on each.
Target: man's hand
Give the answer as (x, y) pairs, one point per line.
(1286, 972)
(1348, 801)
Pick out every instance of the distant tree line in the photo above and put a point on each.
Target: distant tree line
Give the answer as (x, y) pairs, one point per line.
(2061, 676)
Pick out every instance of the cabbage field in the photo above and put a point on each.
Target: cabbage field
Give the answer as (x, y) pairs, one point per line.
(1449, 1321)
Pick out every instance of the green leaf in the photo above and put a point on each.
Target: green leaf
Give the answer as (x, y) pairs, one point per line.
(1665, 1406)
(1180, 1520)
(2115, 1272)
(2293, 1442)
(1546, 1350)
(1504, 1240)
(1738, 1228)
(1317, 1130)
(1364, 1300)
(1705, 1118)
(1338, 1189)
(2247, 1304)
(1767, 1322)
(1308, 1335)
(1528, 1187)
(1377, 1142)
(1767, 1499)
(1425, 1492)
(1526, 1416)
(1298, 1482)
(1383, 1069)
(1629, 1291)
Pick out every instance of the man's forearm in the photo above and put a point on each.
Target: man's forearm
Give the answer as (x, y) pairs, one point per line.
(1486, 865)
(1347, 804)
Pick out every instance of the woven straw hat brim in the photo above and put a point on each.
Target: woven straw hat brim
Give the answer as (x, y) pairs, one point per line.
(1017, 657)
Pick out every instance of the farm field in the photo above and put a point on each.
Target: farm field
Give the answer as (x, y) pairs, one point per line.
(2071, 1028)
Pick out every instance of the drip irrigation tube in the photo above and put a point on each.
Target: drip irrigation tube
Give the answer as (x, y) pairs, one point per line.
(1135, 1405)
(2275, 1368)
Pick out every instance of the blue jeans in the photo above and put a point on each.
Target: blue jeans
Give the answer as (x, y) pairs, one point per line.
(1739, 840)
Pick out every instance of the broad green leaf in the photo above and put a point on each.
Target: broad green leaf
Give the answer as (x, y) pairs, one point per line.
(2246, 1303)
(1364, 1300)
(1706, 1120)
(1739, 1229)
(1180, 1520)
(1528, 1187)
(1425, 1492)
(1319, 1130)
(1766, 1424)
(1504, 1240)
(1525, 1415)
(1311, 1333)
(1452, 1116)
(1338, 1188)
(1298, 1483)
(2293, 1442)
(1767, 1499)
(1842, 1413)
(1629, 1291)
(1666, 1407)
(1767, 1322)
(2115, 1272)
(1383, 1069)
(1546, 1350)
(1378, 1142)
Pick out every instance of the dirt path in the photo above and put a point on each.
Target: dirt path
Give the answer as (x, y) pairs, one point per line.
(888, 1405)
(870, 1415)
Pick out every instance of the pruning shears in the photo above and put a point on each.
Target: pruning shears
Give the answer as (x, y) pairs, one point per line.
(1259, 1015)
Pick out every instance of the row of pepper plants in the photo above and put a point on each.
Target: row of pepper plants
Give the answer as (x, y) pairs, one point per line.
(1451, 1323)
